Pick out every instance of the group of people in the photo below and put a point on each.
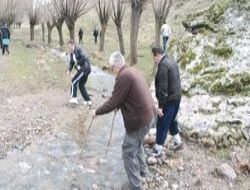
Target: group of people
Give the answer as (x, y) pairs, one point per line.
(140, 113)
(4, 38)
(96, 33)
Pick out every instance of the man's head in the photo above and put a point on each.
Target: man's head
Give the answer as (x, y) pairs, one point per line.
(157, 52)
(71, 45)
(116, 61)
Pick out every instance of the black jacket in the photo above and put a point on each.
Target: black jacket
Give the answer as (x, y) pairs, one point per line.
(5, 33)
(167, 81)
(82, 61)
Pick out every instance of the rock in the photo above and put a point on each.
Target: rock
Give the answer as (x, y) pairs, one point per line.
(165, 185)
(174, 186)
(208, 142)
(226, 171)
(95, 187)
(198, 182)
(151, 161)
(149, 139)
(180, 168)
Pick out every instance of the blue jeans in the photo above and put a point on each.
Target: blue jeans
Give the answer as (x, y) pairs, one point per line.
(165, 40)
(167, 122)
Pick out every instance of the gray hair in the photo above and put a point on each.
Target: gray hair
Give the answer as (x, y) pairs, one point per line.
(116, 58)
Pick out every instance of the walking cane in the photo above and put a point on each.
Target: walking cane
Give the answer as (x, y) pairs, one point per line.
(110, 134)
(85, 140)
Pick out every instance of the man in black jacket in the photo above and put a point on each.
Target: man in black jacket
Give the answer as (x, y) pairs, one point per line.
(81, 62)
(168, 94)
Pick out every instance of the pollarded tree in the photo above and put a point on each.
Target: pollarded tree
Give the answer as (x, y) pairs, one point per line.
(33, 14)
(117, 16)
(137, 7)
(161, 10)
(8, 11)
(71, 10)
(103, 8)
(57, 20)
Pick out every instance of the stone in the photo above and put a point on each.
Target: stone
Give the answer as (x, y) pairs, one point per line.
(151, 161)
(95, 187)
(174, 186)
(225, 170)
(149, 139)
(165, 185)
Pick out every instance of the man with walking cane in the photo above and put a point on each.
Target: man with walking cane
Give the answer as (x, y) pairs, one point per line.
(132, 96)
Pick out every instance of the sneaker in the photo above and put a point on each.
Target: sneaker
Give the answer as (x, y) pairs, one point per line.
(73, 101)
(176, 147)
(88, 103)
(155, 153)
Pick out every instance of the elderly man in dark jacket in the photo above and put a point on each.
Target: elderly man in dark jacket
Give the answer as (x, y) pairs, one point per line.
(132, 96)
(81, 62)
(168, 94)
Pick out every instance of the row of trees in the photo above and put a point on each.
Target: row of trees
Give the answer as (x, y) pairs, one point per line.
(54, 13)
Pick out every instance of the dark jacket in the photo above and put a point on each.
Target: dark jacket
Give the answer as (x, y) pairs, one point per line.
(83, 62)
(132, 96)
(5, 33)
(96, 32)
(167, 81)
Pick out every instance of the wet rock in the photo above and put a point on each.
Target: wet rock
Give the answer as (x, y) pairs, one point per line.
(25, 167)
(225, 170)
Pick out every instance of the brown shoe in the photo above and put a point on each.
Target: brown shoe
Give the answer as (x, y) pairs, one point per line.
(177, 147)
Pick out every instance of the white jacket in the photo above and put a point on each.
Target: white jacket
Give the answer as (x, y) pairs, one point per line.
(165, 30)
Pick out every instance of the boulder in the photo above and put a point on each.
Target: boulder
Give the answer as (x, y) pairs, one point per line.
(225, 170)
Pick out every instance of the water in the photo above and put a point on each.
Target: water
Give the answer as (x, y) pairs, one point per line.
(54, 161)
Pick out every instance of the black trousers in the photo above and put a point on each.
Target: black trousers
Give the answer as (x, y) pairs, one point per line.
(5, 47)
(80, 79)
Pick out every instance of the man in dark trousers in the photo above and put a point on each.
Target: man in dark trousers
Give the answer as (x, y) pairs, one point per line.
(132, 96)
(5, 35)
(81, 62)
(168, 94)
(80, 35)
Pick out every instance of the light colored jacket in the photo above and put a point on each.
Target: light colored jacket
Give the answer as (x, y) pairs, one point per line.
(165, 30)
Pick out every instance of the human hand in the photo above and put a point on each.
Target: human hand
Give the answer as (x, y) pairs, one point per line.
(159, 112)
(93, 114)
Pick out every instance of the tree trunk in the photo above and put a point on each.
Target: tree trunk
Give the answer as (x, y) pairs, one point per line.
(43, 33)
(49, 35)
(121, 41)
(134, 29)
(102, 38)
(60, 33)
(71, 28)
(32, 32)
(157, 31)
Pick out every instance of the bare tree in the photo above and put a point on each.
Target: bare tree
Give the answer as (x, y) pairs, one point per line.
(57, 20)
(103, 8)
(117, 16)
(161, 10)
(137, 7)
(33, 14)
(8, 11)
(71, 10)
